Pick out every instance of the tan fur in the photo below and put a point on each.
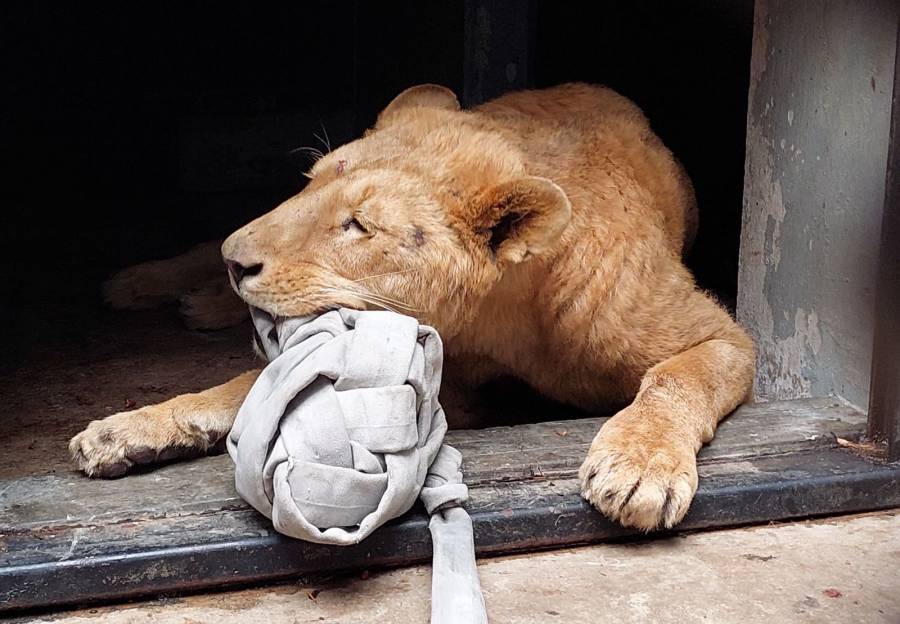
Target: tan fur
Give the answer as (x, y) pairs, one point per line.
(542, 235)
(186, 425)
(149, 284)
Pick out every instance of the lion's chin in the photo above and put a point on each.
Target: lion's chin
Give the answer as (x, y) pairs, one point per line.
(295, 307)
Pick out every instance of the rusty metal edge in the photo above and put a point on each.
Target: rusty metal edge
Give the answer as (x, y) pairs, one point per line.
(829, 482)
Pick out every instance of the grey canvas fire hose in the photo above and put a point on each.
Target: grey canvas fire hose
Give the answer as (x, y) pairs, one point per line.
(343, 431)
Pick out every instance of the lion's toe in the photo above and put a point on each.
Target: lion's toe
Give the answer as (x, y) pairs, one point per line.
(98, 452)
(641, 488)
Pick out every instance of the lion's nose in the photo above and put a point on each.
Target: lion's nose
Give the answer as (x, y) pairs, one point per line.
(239, 271)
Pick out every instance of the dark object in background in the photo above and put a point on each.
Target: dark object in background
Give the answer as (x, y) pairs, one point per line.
(136, 132)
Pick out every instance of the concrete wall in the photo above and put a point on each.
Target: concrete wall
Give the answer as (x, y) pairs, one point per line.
(817, 140)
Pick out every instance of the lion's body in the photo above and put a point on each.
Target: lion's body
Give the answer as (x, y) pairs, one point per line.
(584, 323)
(542, 235)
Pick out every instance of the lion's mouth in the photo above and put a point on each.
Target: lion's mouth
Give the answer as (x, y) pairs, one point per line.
(281, 307)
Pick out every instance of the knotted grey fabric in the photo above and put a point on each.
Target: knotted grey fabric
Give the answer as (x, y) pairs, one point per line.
(343, 431)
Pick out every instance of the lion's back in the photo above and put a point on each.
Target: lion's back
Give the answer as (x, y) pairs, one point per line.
(563, 103)
(578, 134)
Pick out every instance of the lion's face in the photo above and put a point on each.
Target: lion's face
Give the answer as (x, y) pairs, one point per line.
(421, 216)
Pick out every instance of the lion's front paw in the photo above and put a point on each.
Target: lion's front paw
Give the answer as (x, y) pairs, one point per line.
(140, 287)
(640, 483)
(109, 448)
(212, 306)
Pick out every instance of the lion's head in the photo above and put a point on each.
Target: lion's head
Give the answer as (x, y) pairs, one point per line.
(422, 215)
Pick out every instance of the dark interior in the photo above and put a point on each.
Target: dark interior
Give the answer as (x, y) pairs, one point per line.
(133, 132)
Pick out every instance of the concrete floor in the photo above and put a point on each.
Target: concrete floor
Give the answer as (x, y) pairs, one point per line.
(843, 570)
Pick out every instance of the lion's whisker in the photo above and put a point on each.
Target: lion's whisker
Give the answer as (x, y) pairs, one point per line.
(391, 300)
(370, 297)
(312, 151)
(368, 277)
(324, 142)
(383, 300)
(380, 304)
(327, 140)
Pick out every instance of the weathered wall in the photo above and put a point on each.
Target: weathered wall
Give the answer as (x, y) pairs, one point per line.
(817, 137)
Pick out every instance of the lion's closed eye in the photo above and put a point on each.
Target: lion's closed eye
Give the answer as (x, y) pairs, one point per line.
(352, 222)
(360, 224)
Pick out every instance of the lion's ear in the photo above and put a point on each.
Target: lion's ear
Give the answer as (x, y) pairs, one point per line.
(521, 218)
(424, 96)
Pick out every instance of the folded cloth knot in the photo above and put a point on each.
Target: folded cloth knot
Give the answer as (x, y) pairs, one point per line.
(343, 431)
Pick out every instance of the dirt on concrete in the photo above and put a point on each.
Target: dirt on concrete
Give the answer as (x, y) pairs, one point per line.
(840, 570)
(106, 363)
(89, 363)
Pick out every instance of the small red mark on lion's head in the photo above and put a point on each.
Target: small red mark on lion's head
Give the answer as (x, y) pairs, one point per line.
(339, 168)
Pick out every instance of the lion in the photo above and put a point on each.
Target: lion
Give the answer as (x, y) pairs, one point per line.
(542, 234)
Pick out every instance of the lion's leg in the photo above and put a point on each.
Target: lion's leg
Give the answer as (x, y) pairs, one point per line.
(150, 284)
(213, 305)
(641, 469)
(187, 425)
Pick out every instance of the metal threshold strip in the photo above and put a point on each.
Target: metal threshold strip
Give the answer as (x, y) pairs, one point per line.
(65, 539)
